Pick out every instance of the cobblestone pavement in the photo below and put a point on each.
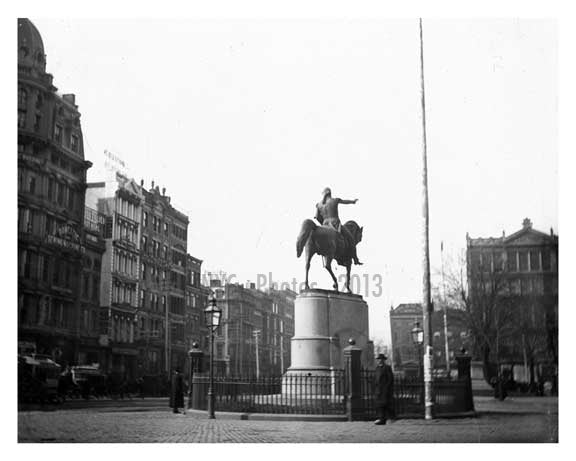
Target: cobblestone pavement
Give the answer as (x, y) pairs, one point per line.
(508, 421)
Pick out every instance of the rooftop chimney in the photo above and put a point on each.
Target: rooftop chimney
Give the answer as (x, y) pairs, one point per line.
(141, 183)
(163, 191)
(252, 286)
(152, 184)
(552, 232)
(527, 224)
(71, 98)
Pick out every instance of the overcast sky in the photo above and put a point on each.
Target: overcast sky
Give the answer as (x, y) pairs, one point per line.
(245, 122)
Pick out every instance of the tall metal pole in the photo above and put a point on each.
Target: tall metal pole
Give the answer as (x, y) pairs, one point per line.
(427, 303)
(211, 383)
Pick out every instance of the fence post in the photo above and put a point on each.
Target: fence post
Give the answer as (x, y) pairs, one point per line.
(463, 363)
(354, 404)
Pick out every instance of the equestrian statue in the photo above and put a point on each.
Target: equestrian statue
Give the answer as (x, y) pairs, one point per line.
(331, 239)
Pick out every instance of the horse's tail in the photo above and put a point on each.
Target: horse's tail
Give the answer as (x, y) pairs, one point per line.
(308, 227)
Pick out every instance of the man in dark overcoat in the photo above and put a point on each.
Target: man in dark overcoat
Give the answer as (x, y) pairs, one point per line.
(383, 390)
(177, 391)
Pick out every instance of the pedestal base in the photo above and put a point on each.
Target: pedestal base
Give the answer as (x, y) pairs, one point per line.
(324, 321)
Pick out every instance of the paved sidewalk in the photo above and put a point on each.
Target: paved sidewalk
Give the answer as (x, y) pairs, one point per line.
(514, 420)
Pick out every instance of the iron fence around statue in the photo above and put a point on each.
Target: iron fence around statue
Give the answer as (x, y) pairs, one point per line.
(289, 394)
(328, 394)
(450, 396)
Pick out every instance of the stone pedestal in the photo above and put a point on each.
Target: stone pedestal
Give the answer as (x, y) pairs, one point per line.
(324, 321)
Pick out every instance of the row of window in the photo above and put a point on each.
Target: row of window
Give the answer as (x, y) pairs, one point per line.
(190, 300)
(523, 287)
(177, 305)
(157, 224)
(127, 208)
(53, 312)
(91, 286)
(124, 293)
(516, 261)
(90, 320)
(48, 269)
(121, 329)
(126, 231)
(155, 248)
(61, 162)
(162, 226)
(72, 139)
(151, 301)
(155, 273)
(61, 136)
(125, 263)
(48, 187)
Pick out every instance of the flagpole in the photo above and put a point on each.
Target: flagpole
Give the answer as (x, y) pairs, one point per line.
(426, 302)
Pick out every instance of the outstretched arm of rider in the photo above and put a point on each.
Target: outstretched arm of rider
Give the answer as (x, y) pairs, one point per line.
(347, 202)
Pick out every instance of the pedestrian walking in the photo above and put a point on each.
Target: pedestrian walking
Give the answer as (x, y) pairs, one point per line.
(384, 390)
(177, 392)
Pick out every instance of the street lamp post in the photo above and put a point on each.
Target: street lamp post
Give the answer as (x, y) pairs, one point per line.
(212, 317)
(195, 355)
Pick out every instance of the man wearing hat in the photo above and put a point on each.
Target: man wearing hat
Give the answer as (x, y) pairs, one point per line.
(327, 215)
(383, 390)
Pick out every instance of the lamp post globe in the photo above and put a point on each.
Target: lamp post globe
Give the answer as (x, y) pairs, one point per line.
(417, 334)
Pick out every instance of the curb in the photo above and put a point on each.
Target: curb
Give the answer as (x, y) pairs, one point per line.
(228, 415)
(269, 416)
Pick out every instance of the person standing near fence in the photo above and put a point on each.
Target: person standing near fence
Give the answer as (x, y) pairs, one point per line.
(177, 392)
(383, 390)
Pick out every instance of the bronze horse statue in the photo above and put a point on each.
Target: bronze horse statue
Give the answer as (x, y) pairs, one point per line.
(329, 243)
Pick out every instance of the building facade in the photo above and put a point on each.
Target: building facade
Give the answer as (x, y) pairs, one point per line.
(51, 190)
(254, 339)
(523, 269)
(405, 354)
(119, 201)
(90, 313)
(163, 339)
(196, 301)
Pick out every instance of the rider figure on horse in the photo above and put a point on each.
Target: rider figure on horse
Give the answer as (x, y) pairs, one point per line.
(327, 215)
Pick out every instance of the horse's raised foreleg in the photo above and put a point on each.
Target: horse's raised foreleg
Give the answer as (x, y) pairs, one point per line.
(328, 265)
(348, 277)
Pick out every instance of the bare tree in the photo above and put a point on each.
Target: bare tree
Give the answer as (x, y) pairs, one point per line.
(482, 293)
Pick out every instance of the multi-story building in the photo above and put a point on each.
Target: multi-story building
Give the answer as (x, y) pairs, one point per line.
(120, 202)
(254, 338)
(522, 269)
(51, 189)
(90, 351)
(405, 353)
(162, 340)
(196, 301)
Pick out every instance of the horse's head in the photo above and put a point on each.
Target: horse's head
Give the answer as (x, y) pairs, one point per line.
(355, 230)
